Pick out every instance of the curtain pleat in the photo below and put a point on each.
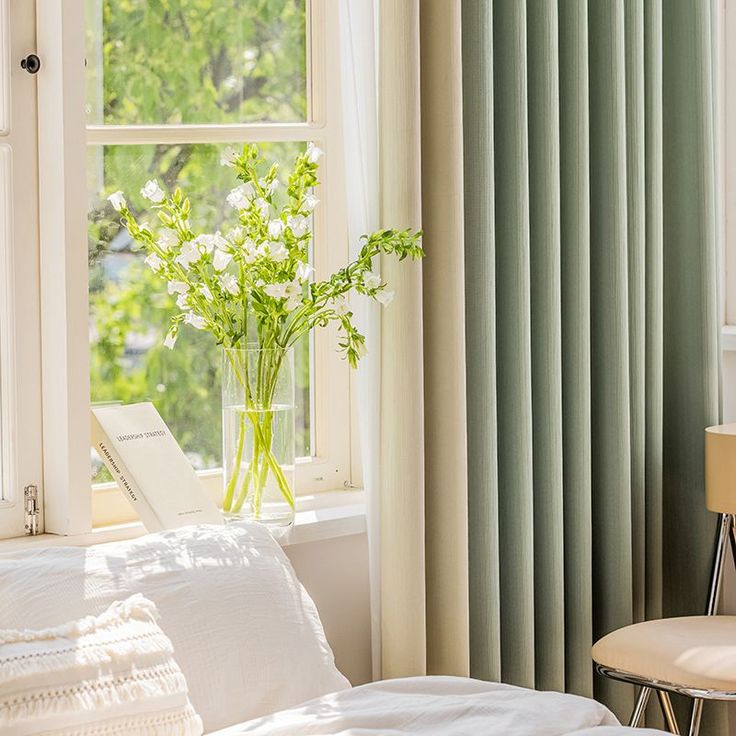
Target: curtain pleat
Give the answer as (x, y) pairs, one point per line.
(546, 337)
(591, 326)
(513, 345)
(575, 300)
(402, 519)
(480, 330)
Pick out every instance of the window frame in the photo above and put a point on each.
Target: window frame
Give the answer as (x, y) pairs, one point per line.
(72, 506)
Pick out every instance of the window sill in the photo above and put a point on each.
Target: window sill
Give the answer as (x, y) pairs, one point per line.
(327, 515)
(728, 338)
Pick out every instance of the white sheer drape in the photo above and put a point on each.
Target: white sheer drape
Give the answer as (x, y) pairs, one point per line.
(360, 121)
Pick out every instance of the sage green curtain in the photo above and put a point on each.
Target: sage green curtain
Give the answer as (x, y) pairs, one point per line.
(591, 326)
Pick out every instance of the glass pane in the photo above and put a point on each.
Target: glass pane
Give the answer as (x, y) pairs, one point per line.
(196, 61)
(129, 306)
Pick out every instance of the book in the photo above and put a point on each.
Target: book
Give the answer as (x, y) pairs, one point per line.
(150, 467)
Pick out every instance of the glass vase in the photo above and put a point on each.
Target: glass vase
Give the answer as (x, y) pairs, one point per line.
(258, 435)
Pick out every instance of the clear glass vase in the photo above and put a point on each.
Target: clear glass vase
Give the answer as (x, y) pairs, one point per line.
(258, 435)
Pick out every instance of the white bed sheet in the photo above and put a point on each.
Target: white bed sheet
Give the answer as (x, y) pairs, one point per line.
(440, 706)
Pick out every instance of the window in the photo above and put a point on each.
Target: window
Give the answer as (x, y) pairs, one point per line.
(20, 400)
(165, 87)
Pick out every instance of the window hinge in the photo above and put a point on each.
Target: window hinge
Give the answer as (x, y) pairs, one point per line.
(32, 509)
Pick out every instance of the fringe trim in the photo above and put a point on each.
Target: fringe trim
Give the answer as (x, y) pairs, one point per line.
(69, 658)
(158, 681)
(135, 608)
(180, 722)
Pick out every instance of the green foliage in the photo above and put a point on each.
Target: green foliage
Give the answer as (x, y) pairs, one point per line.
(196, 61)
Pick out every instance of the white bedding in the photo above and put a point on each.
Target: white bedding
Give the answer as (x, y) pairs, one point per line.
(440, 706)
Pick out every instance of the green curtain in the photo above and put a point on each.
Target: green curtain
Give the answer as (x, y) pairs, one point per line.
(591, 326)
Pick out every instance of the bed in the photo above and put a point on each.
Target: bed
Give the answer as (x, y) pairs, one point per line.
(439, 706)
(249, 641)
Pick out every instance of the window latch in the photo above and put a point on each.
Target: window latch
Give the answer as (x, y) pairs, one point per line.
(32, 510)
(31, 64)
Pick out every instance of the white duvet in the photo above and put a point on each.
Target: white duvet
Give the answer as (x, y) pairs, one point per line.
(440, 706)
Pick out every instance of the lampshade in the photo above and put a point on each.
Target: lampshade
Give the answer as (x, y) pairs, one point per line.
(720, 468)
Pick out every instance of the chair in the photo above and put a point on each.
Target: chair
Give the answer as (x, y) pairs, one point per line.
(694, 655)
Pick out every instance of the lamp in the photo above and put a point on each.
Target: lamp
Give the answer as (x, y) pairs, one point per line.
(720, 468)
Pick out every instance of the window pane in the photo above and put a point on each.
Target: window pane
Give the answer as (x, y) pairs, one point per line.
(196, 61)
(129, 307)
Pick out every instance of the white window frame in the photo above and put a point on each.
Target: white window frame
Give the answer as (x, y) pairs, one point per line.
(71, 505)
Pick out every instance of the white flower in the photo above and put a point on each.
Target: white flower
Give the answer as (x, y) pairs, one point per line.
(293, 295)
(314, 154)
(208, 243)
(385, 297)
(228, 156)
(220, 260)
(298, 224)
(189, 254)
(275, 228)
(229, 283)
(151, 190)
(269, 186)
(239, 197)
(153, 262)
(205, 290)
(117, 200)
(167, 240)
(304, 271)
(252, 251)
(340, 305)
(262, 206)
(236, 234)
(278, 252)
(182, 301)
(178, 287)
(277, 291)
(371, 280)
(195, 320)
(310, 202)
(170, 340)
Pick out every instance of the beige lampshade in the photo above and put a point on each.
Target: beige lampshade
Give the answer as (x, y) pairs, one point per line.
(720, 468)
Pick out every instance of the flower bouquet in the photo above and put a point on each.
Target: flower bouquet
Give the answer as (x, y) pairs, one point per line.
(251, 285)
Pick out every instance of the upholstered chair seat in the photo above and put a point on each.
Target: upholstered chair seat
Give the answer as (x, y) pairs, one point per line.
(695, 655)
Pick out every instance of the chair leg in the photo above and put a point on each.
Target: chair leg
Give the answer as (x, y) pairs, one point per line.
(641, 705)
(697, 712)
(667, 711)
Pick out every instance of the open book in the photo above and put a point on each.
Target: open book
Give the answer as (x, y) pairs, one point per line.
(149, 466)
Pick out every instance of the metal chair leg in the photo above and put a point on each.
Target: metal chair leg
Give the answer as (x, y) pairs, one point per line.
(669, 714)
(640, 707)
(697, 712)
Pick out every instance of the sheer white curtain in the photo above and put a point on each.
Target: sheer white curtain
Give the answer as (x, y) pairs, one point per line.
(360, 125)
(403, 152)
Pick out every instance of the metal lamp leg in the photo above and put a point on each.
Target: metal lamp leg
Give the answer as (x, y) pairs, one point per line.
(667, 711)
(641, 705)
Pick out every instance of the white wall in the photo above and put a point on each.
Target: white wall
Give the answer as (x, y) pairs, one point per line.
(335, 572)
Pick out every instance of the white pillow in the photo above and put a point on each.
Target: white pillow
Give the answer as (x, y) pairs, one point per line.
(246, 634)
(107, 675)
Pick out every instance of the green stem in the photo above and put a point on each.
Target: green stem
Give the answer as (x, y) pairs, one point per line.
(235, 473)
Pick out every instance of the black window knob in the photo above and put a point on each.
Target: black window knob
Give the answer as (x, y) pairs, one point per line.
(31, 64)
